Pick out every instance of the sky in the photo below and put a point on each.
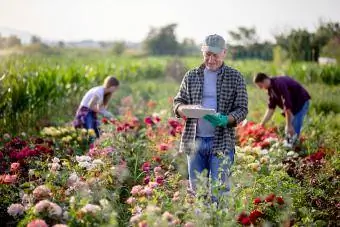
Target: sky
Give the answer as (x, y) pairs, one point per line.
(130, 20)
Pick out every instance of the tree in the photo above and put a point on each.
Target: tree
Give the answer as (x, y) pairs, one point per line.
(12, 41)
(35, 39)
(244, 36)
(188, 47)
(118, 47)
(61, 44)
(162, 41)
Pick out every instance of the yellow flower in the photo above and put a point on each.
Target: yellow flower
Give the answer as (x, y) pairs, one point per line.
(79, 139)
(255, 166)
(264, 159)
(91, 132)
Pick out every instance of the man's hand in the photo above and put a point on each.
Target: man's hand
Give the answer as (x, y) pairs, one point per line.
(217, 119)
(180, 112)
(290, 130)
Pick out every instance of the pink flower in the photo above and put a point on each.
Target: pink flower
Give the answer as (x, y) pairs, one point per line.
(131, 200)
(37, 223)
(159, 180)
(15, 210)
(146, 180)
(148, 121)
(41, 192)
(148, 191)
(136, 190)
(153, 184)
(163, 147)
(189, 224)
(146, 166)
(10, 179)
(157, 169)
(157, 119)
(156, 159)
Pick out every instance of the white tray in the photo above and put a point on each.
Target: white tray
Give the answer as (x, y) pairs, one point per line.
(196, 111)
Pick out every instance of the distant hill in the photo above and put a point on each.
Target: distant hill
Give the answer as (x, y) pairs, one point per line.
(24, 36)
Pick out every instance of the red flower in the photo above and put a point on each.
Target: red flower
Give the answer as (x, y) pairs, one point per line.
(146, 166)
(241, 216)
(270, 198)
(173, 123)
(254, 215)
(163, 147)
(280, 200)
(105, 120)
(157, 119)
(159, 180)
(148, 121)
(246, 221)
(1, 156)
(257, 200)
(146, 180)
(156, 159)
(120, 129)
(173, 132)
(113, 121)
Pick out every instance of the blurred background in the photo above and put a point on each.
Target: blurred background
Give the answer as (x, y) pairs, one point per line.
(50, 50)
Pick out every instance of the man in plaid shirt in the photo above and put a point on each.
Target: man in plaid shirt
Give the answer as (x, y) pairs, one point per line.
(209, 142)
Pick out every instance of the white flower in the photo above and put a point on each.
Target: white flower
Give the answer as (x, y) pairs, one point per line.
(83, 158)
(264, 152)
(15, 210)
(86, 165)
(291, 154)
(98, 162)
(53, 209)
(55, 160)
(55, 167)
(31, 172)
(41, 192)
(271, 139)
(90, 209)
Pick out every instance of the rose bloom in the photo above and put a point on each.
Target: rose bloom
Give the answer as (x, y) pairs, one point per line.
(10, 179)
(37, 223)
(15, 166)
(41, 192)
(15, 210)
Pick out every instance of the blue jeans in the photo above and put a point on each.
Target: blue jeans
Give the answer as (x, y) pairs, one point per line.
(217, 166)
(298, 118)
(90, 123)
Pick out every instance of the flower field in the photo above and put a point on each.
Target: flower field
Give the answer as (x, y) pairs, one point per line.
(134, 176)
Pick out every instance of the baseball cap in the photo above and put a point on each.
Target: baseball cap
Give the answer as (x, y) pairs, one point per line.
(213, 43)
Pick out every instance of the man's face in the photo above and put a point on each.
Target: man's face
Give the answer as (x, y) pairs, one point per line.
(264, 84)
(213, 61)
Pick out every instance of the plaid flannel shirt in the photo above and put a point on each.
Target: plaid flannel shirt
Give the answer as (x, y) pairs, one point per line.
(232, 99)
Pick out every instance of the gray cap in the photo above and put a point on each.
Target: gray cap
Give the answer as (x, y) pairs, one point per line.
(213, 43)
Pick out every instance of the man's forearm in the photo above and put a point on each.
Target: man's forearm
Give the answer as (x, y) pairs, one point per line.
(267, 116)
(289, 117)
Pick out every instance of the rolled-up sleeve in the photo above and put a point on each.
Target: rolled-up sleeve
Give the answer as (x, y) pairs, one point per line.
(240, 107)
(182, 96)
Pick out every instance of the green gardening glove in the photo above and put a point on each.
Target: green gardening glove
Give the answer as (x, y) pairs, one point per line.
(217, 119)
